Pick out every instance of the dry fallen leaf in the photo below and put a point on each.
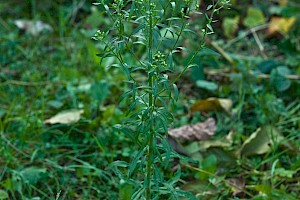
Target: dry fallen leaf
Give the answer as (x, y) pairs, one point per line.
(65, 117)
(260, 141)
(212, 104)
(223, 142)
(199, 131)
(32, 27)
(281, 25)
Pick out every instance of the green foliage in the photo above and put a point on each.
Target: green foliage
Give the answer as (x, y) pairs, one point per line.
(160, 28)
(253, 154)
(254, 17)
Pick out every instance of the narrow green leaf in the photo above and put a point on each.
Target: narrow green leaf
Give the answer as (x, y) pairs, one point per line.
(132, 9)
(107, 9)
(176, 176)
(209, 7)
(115, 168)
(210, 28)
(134, 161)
(137, 30)
(138, 194)
(173, 18)
(176, 92)
(167, 148)
(163, 123)
(185, 194)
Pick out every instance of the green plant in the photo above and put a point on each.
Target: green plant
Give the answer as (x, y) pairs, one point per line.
(145, 37)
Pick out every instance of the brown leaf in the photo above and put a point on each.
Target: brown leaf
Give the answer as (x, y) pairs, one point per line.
(237, 185)
(212, 104)
(199, 131)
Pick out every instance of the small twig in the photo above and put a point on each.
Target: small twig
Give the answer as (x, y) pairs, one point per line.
(259, 44)
(221, 51)
(255, 29)
(290, 77)
(226, 73)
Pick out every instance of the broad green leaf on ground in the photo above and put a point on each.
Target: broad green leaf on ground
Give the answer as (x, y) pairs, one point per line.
(206, 85)
(197, 73)
(32, 175)
(55, 104)
(281, 25)
(192, 148)
(208, 164)
(212, 104)
(266, 66)
(278, 78)
(254, 17)
(208, 52)
(230, 26)
(65, 117)
(261, 141)
(226, 159)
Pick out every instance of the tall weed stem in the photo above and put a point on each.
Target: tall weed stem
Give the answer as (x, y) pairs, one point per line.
(152, 33)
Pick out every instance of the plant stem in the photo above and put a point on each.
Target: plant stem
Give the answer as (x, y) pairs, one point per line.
(149, 166)
(150, 143)
(151, 136)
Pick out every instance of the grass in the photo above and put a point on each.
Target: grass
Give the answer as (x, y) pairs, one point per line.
(41, 76)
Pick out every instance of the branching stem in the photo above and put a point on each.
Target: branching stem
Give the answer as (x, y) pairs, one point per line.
(150, 84)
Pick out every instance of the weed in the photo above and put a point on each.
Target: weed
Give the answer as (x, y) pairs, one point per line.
(159, 27)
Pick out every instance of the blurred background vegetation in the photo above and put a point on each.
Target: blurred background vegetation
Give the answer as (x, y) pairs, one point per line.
(48, 66)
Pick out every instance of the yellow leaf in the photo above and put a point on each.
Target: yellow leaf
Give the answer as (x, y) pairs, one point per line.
(212, 104)
(282, 25)
(283, 2)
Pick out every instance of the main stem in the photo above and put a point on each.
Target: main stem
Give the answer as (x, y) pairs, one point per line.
(151, 133)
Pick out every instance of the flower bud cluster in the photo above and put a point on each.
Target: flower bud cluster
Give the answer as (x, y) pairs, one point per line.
(160, 59)
(99, 35)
